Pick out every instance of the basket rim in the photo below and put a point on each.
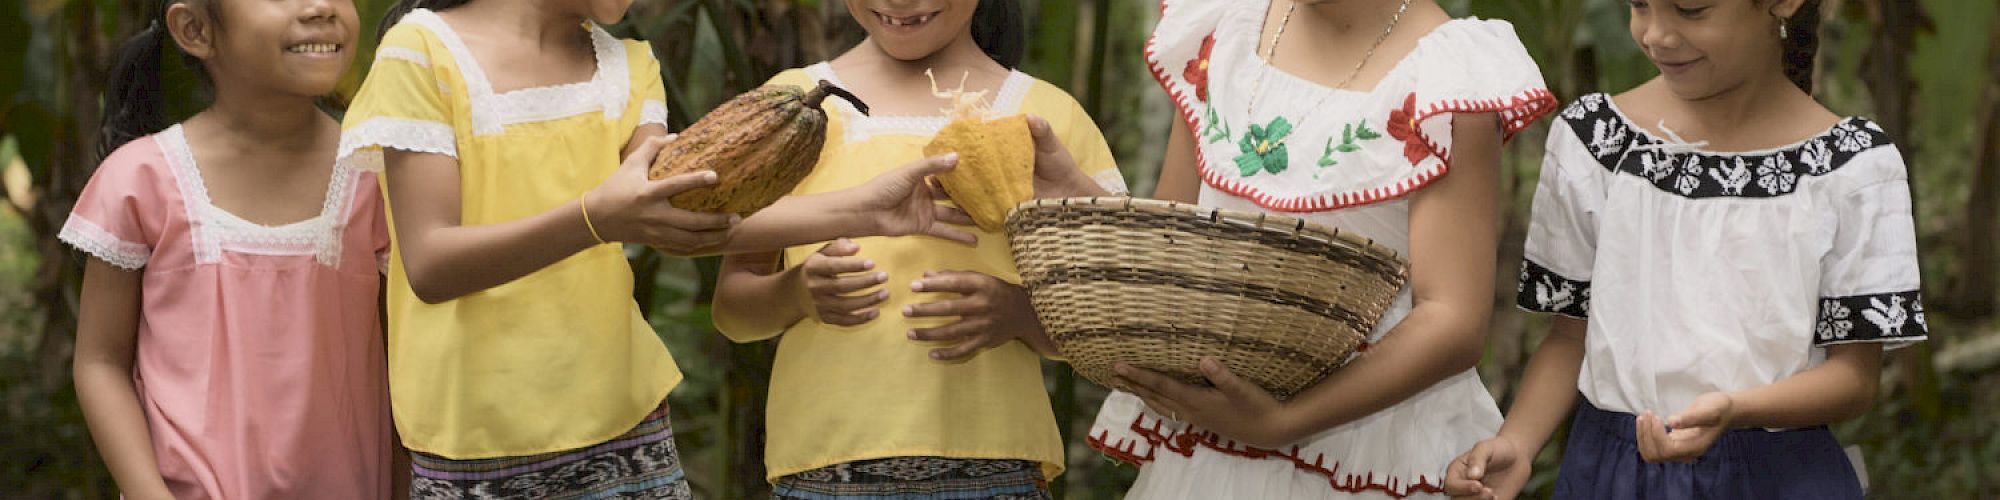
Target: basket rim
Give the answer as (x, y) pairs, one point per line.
(1262, 221)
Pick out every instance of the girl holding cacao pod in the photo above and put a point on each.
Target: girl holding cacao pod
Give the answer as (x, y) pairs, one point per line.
(910, 367)
(229, 342)
(517, 355)
(1381, 118)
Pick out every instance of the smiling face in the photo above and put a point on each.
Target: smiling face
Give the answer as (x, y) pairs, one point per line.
(909, 30)
(1705, 47)
(299, 47)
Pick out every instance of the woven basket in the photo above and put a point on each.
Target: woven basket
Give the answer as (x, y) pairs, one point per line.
(1159, 285)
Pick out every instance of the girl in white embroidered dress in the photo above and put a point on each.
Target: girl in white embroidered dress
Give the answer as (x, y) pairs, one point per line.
(1349, 114)
(1729, 284)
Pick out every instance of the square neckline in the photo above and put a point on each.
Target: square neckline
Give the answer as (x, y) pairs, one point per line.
(1256, 36)
(1611, 103)
(470, 62)
(180, 153)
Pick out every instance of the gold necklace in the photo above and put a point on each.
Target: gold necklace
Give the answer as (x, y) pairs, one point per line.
(1271, 54)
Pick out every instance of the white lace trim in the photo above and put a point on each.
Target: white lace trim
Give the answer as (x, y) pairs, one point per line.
(609, 87)
(94, 240)
(653, 112)
(861, 127)
(213, 229)
(405, 54)
(361, 146)
(1112, 180)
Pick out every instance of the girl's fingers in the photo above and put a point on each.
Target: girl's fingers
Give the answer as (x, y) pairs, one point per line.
(957, 330)
(852, 302)
(965, 349)
(840, 248)
(663, 189)
(846, 318)
(1230, 384)
(850, 283)
(951, 215)
(952, 234)
(943, 308)
(833, 267)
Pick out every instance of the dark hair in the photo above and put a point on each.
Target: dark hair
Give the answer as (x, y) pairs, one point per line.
(133, 99)
(998, 28)
(1801, 44)
(396, 12)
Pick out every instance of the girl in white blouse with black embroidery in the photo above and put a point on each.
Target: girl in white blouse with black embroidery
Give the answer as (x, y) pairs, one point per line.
(1728, 260)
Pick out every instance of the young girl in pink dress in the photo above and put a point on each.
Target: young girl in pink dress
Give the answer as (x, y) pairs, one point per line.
(229, 343)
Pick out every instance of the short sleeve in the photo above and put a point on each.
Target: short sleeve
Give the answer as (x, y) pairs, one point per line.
(404, 104)
(1092, 154)
(1561, 248)
(1179, 48)
(1869, 278)
(1471, 66)
(650, 90)
(122, 211)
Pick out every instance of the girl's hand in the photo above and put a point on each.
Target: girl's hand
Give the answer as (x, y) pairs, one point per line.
(990, 312)
(1234, 408)
(904, 202)
(1685, 436)
(1496, 468)
(630, 208)
(1056, 173)
(832, 276)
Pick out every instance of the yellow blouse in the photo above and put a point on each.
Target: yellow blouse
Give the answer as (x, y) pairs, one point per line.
(841, 394)
(558, 359)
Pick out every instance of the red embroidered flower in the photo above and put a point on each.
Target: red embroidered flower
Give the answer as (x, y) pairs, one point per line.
(1197, 69)
(1403, 127)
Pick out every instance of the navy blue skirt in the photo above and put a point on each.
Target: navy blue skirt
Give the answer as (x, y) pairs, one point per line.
(1602, 461)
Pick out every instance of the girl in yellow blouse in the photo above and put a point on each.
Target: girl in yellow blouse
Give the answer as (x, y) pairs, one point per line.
(519, 365)
(909, 367)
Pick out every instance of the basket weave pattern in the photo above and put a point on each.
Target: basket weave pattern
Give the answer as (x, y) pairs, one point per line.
(1159, 285)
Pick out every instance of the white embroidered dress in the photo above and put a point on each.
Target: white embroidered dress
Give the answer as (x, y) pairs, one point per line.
(1346, 160)
(1704, 271)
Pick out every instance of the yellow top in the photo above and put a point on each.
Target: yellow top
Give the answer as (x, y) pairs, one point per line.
(841, 394)
(558, 359)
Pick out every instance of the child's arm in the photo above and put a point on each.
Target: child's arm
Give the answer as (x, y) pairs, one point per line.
(1454, 232)
(1498, 467)
(1840, 388)
(1179, 179)
(445, 260)
(106, 336)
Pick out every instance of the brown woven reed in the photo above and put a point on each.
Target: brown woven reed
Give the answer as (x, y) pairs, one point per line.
(1159, 285)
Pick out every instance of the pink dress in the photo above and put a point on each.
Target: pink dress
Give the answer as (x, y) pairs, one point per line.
(260, 357)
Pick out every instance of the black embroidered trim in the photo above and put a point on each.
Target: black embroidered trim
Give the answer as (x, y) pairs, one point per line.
(1611, 139)
(1882, 317)
(1542, 290)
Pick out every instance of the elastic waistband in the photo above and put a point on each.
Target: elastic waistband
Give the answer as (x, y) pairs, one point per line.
(1732, 443)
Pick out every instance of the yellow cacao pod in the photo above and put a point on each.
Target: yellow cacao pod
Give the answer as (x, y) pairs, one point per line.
(996, 166)
(760, 144)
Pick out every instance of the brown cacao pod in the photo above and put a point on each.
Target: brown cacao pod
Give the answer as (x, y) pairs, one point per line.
(996, 166)
(760, 144)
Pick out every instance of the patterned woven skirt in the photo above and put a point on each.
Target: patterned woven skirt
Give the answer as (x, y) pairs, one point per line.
(918, 478)
(641, 463)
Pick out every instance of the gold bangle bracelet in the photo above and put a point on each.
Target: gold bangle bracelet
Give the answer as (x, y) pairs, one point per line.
(583, 205)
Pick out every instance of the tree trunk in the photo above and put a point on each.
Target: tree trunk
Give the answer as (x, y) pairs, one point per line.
(1974, 293)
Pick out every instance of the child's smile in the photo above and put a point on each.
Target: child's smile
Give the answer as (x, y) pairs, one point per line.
(904, 24)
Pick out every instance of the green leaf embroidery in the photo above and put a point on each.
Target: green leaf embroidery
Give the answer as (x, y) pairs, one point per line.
(1217, 130)
(1364, 133)
(1326, 158)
